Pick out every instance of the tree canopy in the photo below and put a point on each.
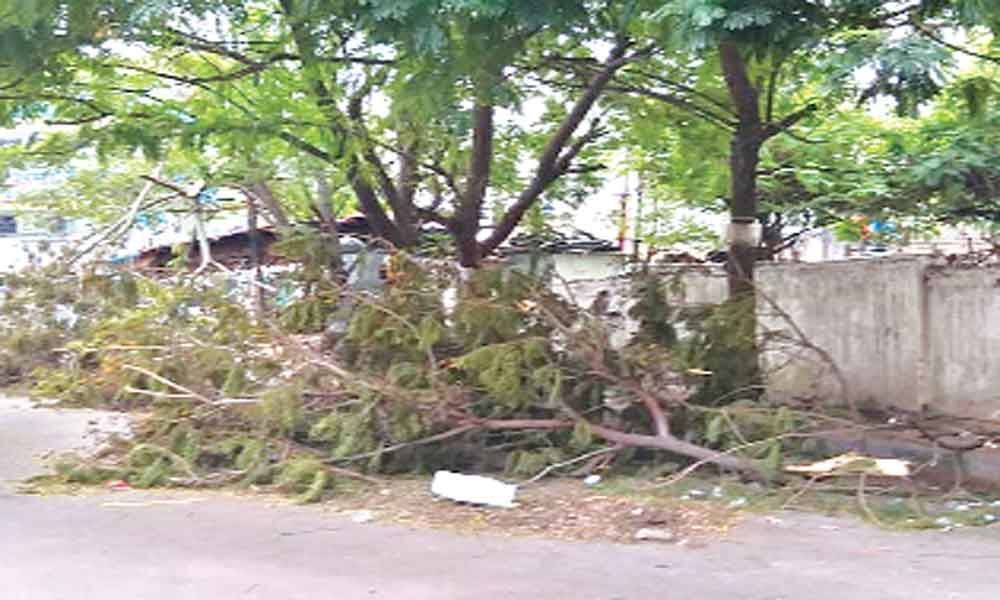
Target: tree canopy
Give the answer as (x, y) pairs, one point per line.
(468, 115)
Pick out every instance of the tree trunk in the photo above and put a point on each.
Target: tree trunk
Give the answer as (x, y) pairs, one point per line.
(404, 211)
(405, 217)
(465, 224)
(261, 191)
(328, 228)
(380, 224)
(467, 246)
(256, 291)
(744, 155)
(743, 159)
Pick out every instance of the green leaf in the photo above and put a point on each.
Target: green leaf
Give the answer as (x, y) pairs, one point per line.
(713, 433)
(772, 462)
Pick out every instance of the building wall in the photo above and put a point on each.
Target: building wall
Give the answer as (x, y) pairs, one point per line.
(17, 252)
(902, 333)
(31, 237)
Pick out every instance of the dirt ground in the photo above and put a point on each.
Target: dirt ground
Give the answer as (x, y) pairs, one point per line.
(557, 508)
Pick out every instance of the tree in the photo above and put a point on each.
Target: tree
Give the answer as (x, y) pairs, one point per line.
(935, 167)
(416, 110)
(429, 112)
(39, 41)
(756, 70)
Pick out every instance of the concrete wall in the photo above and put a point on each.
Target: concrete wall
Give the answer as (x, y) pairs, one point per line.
(902, 333)
(569, 265)
(580, 277)
(691, 285)
(698, 284)
(963, 337)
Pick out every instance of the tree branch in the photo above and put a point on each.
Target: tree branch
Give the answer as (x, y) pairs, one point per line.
(772, 85)
(927, 33)
(219, 48)
(772, 128)
(719, 104)
(306, 147)
(679, 102)
(261, 192)
(670, 443)
(549, 164)
(565, 161)
(166, 184)
(379, 221)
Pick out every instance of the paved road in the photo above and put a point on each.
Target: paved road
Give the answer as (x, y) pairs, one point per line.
(186, 546)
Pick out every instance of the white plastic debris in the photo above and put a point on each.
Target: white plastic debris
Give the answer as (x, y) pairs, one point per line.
(592, 480)
(943, 522)
(362, 516)
(654, 534)
(738, 502)
(474, 489)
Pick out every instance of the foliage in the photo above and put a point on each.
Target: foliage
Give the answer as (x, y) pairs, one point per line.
(722, 341)
(43, 311)
(217, 103)
(384, 98)
(747, 108)
(444, 112)
(233, 400)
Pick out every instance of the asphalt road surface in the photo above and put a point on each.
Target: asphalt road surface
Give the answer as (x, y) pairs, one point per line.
(179, 546)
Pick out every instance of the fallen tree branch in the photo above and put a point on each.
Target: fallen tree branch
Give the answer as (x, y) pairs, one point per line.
(465, 427)
(353, 475)
(155, 394)
(168, 383)
(676, 445)
(122, 225)
(440, 437)
(663, 439)
(541, 474)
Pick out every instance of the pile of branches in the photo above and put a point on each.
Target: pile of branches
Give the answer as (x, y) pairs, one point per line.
(485, 370)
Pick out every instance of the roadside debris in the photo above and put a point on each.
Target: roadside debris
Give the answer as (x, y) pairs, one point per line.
(362, 516)
(738, 502)
(853, 463)
(145, 503)
(654, 534)
(474, 489)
